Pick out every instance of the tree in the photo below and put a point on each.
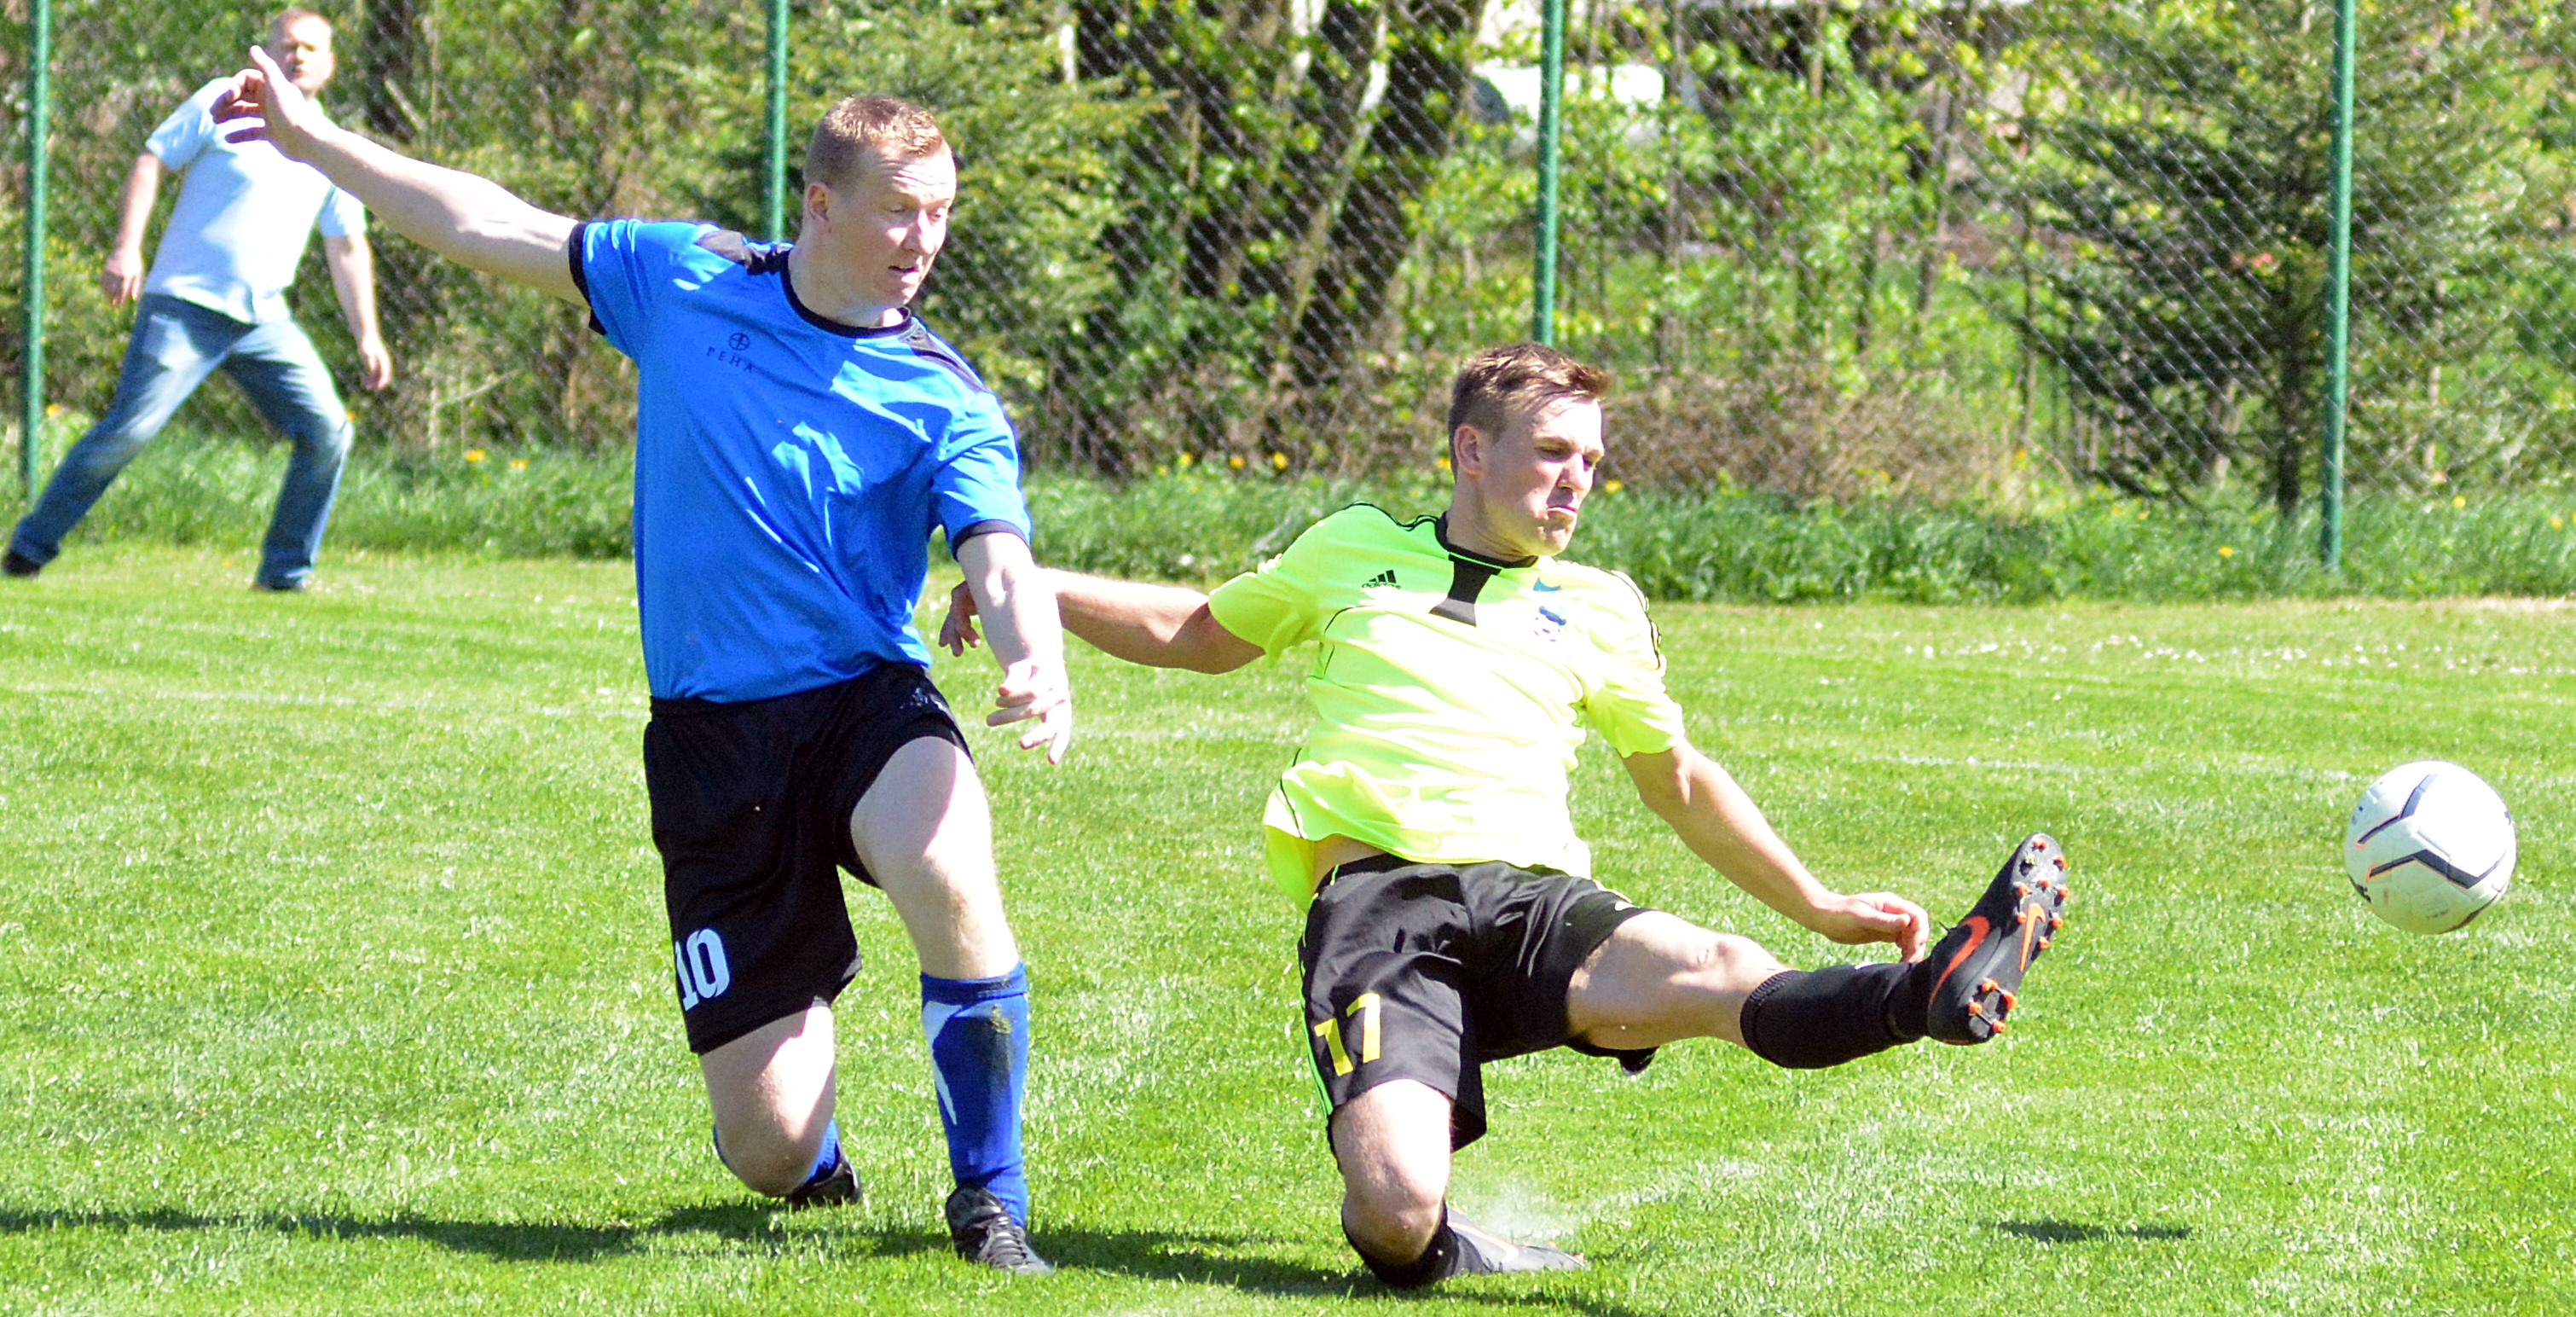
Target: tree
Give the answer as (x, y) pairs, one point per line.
(2182, 189)
(1292, 143)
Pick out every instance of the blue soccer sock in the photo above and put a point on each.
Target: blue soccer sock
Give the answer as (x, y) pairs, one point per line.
(827, 1159)
(979, 1054)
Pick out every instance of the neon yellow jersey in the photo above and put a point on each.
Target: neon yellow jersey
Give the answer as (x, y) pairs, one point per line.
(1447, 691)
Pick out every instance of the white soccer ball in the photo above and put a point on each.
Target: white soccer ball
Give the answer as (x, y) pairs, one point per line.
(2429, 846)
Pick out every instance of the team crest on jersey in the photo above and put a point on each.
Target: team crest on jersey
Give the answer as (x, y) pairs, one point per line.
(1550, 624)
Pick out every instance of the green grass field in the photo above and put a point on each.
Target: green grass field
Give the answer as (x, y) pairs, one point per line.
(332, 979)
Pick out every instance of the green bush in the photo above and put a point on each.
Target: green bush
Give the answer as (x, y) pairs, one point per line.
(1200, 524)
(191, 489)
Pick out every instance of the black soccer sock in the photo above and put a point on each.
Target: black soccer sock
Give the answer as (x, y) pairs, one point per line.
(1808, 1019)
(1438, 1262)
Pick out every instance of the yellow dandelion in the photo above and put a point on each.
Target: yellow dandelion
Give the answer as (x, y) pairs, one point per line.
(2227, 551)
(1278, 461)
(518, 464)
(53, 409)
(2556, 522)
(475, 454)
(1444, 464)
(1611, 487)
(1236, 461)
(2459, 500)
(1185, 459)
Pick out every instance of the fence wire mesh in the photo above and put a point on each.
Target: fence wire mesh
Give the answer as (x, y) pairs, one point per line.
(1836, 249)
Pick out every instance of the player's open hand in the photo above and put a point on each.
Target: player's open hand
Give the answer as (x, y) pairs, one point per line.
(122, 277)
(1035, 688)
(1875, 917)
(263, 105)
(957, 630)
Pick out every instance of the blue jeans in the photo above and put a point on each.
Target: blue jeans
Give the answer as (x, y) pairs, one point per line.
(175, 346)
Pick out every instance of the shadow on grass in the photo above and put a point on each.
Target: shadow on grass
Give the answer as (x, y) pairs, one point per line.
(509, 1241)
(2078, 1232)
(1228, 1260)
(1202, 1258)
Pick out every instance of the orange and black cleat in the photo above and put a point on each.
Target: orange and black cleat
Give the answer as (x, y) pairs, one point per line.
(1980, 963)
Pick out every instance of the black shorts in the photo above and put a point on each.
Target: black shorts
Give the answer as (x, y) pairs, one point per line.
(1426, 971)
(751, 811)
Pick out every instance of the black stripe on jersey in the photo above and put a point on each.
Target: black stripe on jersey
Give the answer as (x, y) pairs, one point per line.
(734, 247)
(918, 337)
(1467, 576)
(581, 276)
(1654, 634)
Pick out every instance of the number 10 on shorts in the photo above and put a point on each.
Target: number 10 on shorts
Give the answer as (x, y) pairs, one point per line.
(1364, 1009)
(698, 962)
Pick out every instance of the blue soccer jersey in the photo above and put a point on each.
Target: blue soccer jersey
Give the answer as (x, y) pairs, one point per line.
(788, 469)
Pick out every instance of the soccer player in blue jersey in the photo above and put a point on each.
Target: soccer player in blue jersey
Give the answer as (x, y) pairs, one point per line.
(799, 435)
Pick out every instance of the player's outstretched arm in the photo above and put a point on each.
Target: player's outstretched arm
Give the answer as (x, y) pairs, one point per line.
(122, 277)
(1159, 626)
(472, 221)
(1722, 825)
(1010, 590)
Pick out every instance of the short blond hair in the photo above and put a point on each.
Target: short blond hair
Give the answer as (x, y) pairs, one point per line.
(885, 128)
(1497, 383)
(289, 17)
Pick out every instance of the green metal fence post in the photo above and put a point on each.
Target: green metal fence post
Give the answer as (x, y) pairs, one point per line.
(1551, 110)
(31, 385)
(775, 164)
(2338, 302)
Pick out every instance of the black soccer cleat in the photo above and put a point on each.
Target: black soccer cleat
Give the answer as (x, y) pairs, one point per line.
(1980, 963)
(831, 1189)
(984, 1233)
(1482, 1252)
(18, 564)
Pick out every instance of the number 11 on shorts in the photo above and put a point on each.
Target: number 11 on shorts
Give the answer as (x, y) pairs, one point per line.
(1330, 1030)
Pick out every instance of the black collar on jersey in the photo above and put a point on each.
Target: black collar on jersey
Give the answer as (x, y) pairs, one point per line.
(827, 324)
(771, 258)
(1468, 572)
(1440, 528)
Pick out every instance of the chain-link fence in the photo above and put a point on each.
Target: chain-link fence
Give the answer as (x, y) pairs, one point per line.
(1832, 248)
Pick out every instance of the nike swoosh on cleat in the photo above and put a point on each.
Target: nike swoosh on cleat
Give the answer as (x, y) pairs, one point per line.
(1976, 938)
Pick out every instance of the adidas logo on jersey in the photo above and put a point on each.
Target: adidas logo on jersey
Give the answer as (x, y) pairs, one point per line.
(1386, 578)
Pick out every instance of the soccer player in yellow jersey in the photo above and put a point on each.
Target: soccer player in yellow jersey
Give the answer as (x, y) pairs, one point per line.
(1450, 918)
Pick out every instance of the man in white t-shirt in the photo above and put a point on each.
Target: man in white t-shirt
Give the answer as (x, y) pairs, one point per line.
(216, 296)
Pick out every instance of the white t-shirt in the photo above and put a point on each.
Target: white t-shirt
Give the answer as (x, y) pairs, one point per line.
(243, 216)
